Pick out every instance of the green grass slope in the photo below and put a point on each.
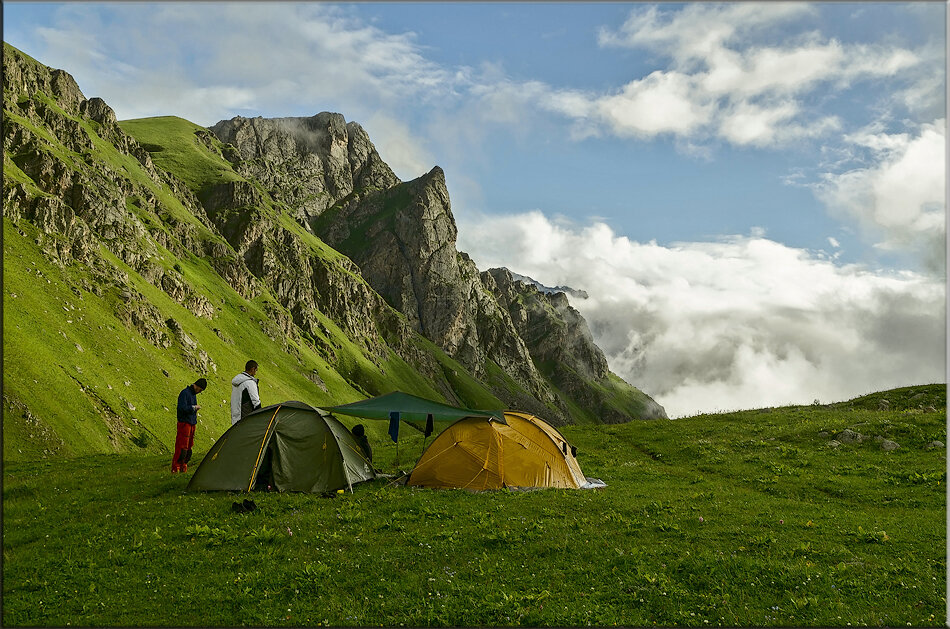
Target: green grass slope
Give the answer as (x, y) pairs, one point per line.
(174, 146)
(740, 519)
(79, 377)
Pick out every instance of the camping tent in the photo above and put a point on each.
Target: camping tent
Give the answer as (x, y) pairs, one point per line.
(478, 453)
(289, 446)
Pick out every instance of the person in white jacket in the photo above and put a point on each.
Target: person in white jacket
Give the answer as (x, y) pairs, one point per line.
(244, 395)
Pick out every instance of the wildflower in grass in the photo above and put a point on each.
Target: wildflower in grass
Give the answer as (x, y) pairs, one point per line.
(701, 519)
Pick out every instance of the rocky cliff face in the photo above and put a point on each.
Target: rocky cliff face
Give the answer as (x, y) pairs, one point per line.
(402, 236)
(404, 239)
(307, 163)
(562, 346)
(555, 332)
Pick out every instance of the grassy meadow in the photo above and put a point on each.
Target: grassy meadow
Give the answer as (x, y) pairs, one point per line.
(749, 518)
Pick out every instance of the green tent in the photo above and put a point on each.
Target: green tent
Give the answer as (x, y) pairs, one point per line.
(290, 447)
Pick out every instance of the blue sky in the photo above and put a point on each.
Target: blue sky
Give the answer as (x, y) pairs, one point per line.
(695, 138)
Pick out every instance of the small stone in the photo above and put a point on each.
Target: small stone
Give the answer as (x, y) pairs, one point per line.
(78, 347)
(887, 445)
(834, 444)
(933, 445)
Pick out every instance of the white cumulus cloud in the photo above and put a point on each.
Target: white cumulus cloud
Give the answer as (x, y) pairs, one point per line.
(899, 199)
(720, 82)
(740, 322)
(209, 61)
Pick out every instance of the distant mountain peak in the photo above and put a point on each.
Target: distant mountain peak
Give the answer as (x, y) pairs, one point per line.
(573, 292)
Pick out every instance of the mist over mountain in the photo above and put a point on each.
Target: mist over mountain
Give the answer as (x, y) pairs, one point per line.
(567, 290)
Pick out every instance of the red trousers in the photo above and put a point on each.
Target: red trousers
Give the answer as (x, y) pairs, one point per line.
(184, 440)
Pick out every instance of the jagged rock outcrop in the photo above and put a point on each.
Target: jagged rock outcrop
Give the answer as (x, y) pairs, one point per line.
(554, 332)
(567, 290)
(403, 240)
(307, 163)
(79, 195)
(561, 344)
(402, 236)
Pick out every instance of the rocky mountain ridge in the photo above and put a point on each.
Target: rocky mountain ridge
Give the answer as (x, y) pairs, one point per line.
(402, 235)
(178, 237)
(572, 292)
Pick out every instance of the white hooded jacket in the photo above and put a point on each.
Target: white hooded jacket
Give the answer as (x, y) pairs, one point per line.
(243, 388)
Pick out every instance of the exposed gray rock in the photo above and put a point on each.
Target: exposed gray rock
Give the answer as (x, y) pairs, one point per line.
(146, 319)
(308, 163)
(567, 290)
(935, 445)
(552, 329)
(887, 445)
(558, 338)
(849, 436)
(315, 378)
(403, 239)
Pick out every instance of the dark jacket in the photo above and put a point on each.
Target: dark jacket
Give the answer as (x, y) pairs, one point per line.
(187, 400)
(363, 443)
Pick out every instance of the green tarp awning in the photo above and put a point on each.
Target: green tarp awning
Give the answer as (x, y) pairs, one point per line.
(410, 408)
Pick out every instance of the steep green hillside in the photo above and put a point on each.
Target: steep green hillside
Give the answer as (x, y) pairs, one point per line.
(80, 380)
(183, 148)
(119, 291)
(743, 519)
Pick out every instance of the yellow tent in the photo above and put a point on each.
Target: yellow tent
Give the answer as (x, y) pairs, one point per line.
(479, 453)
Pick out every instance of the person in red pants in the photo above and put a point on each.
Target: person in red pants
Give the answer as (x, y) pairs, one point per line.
(187, 420)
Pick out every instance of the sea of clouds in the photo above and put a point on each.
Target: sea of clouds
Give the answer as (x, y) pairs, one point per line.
(741, 322)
